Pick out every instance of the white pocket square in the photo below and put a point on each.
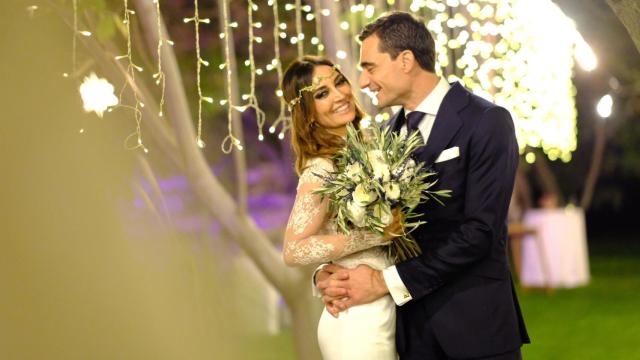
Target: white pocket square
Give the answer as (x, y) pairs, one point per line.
(448, 154)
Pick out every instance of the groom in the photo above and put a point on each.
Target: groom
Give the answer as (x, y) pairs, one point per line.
(457, 299)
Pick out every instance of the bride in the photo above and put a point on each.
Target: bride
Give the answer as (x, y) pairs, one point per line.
(322, 104)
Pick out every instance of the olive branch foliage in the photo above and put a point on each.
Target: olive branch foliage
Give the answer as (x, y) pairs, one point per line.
(413, 179)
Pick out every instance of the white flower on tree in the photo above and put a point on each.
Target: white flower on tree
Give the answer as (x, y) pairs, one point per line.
(97, 94)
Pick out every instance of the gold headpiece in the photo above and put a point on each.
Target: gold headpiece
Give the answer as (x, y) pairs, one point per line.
(314, 85)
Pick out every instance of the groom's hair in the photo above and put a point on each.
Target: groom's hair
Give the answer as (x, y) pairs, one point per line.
(399, 31)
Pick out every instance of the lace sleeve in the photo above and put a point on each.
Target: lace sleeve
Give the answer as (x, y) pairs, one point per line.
(303, 243)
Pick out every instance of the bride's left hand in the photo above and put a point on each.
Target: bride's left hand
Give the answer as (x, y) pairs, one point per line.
(363, 285)
(331, 281)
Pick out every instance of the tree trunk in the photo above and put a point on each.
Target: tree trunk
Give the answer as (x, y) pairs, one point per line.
(628, 11)
(291, 283)
(594, 169)
(548, 180)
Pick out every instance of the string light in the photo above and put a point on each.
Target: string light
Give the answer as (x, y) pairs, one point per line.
(252, 99)
(298, 29)
(230, 140)
(31, 9)
(504, 51)
(97, 94)
(282, 116)
(199, 62)
(159, 76)
(74, 43)
(316, 39)
(131, 66)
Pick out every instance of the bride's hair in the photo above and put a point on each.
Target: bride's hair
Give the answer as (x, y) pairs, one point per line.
(309, 138)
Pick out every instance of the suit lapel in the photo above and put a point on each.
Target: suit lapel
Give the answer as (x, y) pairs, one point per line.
(446, 124)
(396, 121)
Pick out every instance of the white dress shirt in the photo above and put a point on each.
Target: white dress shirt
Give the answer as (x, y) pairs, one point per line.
(429, 106)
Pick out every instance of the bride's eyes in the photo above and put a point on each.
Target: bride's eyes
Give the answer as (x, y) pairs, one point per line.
(340, 80)
(321, 94)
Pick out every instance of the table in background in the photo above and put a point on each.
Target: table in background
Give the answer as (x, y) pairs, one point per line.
(562, 234)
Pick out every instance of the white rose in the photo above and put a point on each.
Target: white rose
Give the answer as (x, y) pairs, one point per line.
(375, 156)
(409, 170)
(354, 169)
(383, 212)
(380, 167)
(381, 171)
(357, 213)
(392, 189)
(363, 196)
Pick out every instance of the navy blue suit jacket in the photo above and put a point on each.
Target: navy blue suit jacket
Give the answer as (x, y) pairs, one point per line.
(463, 297)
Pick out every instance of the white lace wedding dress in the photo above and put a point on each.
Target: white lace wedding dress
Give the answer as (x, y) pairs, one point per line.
(361, 332)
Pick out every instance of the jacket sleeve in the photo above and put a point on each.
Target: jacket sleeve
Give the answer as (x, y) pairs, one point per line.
(493, 157)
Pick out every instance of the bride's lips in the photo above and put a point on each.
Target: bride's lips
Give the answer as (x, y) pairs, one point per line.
(342, 108)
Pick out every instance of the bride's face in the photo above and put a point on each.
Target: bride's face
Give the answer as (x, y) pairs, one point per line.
(334, 103)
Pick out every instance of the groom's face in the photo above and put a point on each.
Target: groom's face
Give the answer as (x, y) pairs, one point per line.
(381, 74)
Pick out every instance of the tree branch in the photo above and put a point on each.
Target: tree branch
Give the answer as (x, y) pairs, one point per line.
(215, 198)
(628, 11)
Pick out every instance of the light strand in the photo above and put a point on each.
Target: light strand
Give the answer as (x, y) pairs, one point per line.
(502, 50)
(252, 99)
(199, 62)
(299, 34)
(230, 140)
(74, 44)
(75, 40)
(352, 26)
(317, 11)
(282, 118)
(159, 76)
(131, 67)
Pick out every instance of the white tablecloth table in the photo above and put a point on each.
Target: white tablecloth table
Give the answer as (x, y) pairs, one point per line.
(562, 234)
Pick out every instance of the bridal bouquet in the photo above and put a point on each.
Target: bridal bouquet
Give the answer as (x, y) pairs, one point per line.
(374, 178)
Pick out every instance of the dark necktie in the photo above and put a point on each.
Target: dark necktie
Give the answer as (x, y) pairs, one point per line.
(413, 120)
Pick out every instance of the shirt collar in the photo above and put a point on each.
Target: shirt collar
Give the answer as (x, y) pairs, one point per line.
(431, 103)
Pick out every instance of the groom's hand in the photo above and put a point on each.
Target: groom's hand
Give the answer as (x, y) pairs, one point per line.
(363, 285)
(331, 281)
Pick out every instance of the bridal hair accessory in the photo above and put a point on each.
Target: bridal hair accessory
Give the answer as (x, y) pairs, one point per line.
(314, 85)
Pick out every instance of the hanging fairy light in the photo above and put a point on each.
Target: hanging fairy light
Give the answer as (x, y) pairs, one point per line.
(316, 40)
(282, 120)
(299, 35)
(159, 75)
(505, 51)
(97, 94)
(131, 69)
(252, 100)
(199, 62)
(74, 45)
(230, 141)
